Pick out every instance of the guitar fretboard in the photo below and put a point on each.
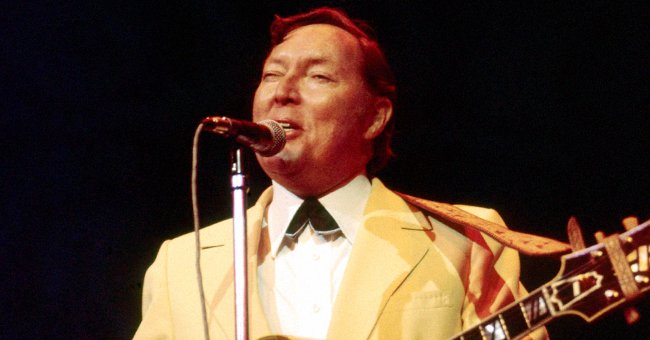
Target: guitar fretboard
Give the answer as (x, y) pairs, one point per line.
(517, 319)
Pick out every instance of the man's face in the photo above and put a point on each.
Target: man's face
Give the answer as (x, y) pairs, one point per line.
(313, 82)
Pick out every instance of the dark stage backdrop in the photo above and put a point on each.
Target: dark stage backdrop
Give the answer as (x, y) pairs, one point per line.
(538, 110)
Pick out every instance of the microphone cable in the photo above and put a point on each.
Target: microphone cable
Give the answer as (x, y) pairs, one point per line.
(195, 218)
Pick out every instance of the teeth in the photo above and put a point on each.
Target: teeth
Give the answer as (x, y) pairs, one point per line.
(285, 126)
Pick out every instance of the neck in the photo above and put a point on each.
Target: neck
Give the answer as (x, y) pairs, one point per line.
(318, 187)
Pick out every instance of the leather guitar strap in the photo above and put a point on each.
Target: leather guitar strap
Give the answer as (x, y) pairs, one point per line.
(528, 244)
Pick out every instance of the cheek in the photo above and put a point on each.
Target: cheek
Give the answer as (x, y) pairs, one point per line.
(258, 102)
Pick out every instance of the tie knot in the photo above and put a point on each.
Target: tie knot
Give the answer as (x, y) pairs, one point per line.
(313, 212)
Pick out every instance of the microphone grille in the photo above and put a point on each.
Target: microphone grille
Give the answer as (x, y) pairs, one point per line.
(278, 136)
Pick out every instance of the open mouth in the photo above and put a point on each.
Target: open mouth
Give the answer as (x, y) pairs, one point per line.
(286, 126)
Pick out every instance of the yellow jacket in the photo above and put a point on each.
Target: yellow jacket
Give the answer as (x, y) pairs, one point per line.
(409, 277)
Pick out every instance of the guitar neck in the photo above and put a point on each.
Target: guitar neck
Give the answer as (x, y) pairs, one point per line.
(514, 321)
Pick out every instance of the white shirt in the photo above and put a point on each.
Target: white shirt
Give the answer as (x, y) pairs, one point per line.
(299, 281)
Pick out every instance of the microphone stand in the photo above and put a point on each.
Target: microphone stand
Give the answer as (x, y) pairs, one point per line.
(239, 188)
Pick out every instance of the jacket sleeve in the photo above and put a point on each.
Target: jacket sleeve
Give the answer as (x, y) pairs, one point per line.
(156, 312)
(493, 281)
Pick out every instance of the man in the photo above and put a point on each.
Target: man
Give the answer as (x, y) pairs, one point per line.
(387, 269)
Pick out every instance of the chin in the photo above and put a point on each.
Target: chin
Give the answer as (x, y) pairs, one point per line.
(280, 165)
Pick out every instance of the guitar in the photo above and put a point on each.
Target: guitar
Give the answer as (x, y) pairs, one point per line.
(590, 283)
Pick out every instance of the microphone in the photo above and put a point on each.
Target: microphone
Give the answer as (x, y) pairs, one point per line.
(267, 137)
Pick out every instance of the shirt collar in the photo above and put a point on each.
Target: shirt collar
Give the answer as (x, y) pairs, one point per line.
(346, 205)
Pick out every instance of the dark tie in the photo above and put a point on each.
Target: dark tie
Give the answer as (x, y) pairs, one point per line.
(311, 210)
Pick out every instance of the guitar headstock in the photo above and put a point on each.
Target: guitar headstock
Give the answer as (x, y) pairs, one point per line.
(599, 278)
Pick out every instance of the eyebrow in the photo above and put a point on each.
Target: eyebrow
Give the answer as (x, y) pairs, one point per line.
(311, 61)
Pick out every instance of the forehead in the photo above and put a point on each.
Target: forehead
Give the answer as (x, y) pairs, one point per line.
(319, 41)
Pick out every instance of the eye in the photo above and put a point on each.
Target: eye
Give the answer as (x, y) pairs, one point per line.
(321, 78)
(271, 76)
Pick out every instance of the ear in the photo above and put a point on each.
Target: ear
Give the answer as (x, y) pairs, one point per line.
(382, 113)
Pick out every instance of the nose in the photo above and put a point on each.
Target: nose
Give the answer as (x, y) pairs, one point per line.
(287, 91)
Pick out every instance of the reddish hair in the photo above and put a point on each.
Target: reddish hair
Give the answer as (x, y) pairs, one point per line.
(376, 72)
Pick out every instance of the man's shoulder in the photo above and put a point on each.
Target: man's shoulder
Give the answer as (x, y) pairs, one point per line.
(221, 231)
(467, 214)
(217, 234)
(485, 213)
(488, 222)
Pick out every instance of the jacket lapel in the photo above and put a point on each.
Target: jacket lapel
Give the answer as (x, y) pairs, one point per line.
(383, 255)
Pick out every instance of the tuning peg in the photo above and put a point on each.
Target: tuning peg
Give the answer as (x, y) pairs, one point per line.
(575, 234)
(631, 314)
(630, 222)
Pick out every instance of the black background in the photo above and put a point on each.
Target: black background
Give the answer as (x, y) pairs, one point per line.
(538, 110)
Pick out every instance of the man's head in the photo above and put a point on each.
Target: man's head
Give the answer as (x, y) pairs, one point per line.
(328, 79)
